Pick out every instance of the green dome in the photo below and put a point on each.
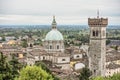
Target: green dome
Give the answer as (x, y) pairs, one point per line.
(54, 34)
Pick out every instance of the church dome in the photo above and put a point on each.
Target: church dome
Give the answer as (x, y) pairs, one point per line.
(54, 34)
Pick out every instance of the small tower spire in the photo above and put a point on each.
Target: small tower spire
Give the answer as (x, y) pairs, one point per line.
(54, 24)
(97, 13)
(54, 17)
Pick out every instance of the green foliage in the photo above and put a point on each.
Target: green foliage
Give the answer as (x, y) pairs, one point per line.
(116, 47)
(85, 74)
(107, 41)
(114, 77)
(24, 43)
(5, 69)
(38, 42)
(34, 73)
(3, 38)
(66, 43)
(98, 78)
(10, 70)
(82, 38)
(15, 66)
(44, 67)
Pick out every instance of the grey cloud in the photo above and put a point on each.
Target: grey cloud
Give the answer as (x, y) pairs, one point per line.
(63, 8)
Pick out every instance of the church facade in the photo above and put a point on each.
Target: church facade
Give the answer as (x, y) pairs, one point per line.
(54, 41)
(54, 47)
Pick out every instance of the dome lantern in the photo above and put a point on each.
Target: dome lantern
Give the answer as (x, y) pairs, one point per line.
(54, 41)
(54, 34)
(54, 24)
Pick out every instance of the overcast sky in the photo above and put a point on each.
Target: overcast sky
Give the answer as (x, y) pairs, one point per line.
(66, 11)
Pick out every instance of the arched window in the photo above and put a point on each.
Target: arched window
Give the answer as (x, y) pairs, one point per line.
(93, 33)
(43, 57)
(94, 70)
(57, 46)
(50, 46)
(97, 33)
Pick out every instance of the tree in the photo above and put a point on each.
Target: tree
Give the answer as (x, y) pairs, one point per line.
(5, 69)
(15, 66)
(24, 43)
(108, 41)
(98, 78)
(45, 67)
(34, 73)
(116, 47)
(3, 38)
(85, 74)
(115, 77)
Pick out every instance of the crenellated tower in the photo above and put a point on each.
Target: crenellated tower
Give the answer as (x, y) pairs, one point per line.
(97, 50)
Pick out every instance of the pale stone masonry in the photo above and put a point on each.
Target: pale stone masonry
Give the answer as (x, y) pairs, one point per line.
(54, 47)
(97, 50)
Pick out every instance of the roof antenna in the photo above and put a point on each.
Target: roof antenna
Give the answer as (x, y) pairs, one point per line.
(97, 13)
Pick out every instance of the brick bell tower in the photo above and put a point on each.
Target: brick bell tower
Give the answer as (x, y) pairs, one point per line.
(97, 50)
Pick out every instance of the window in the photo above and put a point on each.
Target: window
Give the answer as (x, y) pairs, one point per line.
(77, 56)
(93, 33)
(94, 71)
(57, 46)
(43, 58)
(63, 59)
(96, 33)
(50, 46)
(95, 55)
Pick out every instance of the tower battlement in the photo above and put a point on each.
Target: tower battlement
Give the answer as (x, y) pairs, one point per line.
(97, 22)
